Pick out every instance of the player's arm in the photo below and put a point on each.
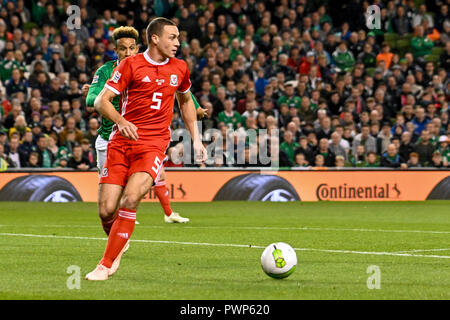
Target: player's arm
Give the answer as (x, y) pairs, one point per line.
(189, 115)
(103, 104)
(98, 82)
(200, 111)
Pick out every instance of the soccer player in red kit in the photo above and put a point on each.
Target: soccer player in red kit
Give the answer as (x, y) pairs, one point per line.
(148, 83)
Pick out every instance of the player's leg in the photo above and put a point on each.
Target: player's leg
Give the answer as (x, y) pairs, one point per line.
(137, 186)
(113, 179)
(163, 195)
(108, 194)
(100, 148)
(108, 203)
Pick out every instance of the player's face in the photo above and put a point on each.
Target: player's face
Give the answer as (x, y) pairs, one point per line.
(168, 43)
(126, 47)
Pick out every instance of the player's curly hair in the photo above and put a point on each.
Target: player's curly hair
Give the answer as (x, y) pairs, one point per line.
(125, 32)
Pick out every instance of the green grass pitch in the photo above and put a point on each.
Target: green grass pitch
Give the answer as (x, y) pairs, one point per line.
(217, 254)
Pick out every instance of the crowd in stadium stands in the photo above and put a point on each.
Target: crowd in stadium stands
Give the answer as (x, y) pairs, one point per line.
(338, 93)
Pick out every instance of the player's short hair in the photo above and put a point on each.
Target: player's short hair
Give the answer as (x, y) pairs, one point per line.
(156, 26)
(125, 32)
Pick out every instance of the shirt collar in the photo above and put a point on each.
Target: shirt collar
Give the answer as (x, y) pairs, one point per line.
(151, 61)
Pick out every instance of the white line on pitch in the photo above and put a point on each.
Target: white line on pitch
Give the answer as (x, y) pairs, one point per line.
(231, 245)
(248, 228)
(423, 250)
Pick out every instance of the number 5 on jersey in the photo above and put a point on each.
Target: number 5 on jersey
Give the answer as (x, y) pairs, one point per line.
(156, 98)
(157, 165)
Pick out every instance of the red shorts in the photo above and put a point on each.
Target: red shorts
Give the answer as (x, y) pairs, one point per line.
(125, 157)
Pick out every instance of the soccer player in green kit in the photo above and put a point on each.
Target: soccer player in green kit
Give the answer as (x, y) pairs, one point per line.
(125, 40)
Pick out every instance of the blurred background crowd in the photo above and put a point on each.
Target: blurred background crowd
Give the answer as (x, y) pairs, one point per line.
(338, 94)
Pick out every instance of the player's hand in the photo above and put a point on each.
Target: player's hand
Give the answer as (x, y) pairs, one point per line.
(200, 153)
(127, 129)
(85, 90)
(201, 113)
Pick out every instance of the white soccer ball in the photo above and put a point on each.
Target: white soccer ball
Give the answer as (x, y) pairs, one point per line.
(279, 260)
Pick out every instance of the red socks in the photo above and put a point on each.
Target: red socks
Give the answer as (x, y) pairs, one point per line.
(163, 195)
(107, 225)
(120, 233)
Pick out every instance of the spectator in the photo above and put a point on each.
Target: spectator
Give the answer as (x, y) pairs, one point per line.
(406, 146)
(324, 150)
(358, 159)
(343, 58)
(70, 126)
(340, 162)
(300, 161)
(289, 146)
(420, 44)
(422, 15)
(371, 160)
(365, 139)
(424, 148)
(444, 149)
(33, 160)
(306, 113)
(88, 152)
(7, 66)
(230, 117)
(385, 55)
(436, 160)
(319, 161)
(420, 120)
(13, 156)
(445, 56)
(16, 84)
(384, 138)
(367, 57)
(306, 149)
(391, 158)
(3, 159)
(289, 97)
(20, 126)
(45, 157)
(413, 161)
(77, 161)
(401, 24)
(336, 146)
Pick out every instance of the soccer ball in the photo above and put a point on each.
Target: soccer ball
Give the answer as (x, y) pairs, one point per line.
(279, 260)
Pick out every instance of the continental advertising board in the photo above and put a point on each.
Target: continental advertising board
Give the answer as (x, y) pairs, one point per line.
(242, 185)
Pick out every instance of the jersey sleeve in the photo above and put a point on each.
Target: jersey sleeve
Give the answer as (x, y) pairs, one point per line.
(98, 82)
(196, 104)
(186, 82)
(121, 77)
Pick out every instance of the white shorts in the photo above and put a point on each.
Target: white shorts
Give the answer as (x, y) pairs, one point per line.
(101, 146)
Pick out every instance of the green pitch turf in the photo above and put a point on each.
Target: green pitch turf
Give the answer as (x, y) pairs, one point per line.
(217, 255)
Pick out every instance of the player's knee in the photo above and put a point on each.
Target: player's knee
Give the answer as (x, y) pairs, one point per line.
(106, 210)
(129, 201)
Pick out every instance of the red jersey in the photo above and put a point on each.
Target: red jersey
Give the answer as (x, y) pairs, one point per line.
(147, 91)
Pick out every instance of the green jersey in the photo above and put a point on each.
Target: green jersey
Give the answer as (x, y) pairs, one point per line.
(102, 75)
(230, 121)
(294, 101)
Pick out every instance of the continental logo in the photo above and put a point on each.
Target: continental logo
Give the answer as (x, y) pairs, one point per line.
(349, 192)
